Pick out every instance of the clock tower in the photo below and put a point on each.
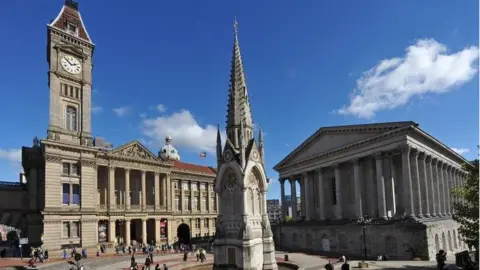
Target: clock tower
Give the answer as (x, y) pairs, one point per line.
(69, 56)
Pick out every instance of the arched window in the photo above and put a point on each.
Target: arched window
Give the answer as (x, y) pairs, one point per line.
(455, 245)
(71, 118)
(391, 245)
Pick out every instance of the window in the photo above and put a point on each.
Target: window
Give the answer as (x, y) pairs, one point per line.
(65, 193)
(70, 169)
(205, 234)
(205, 223)
(72, 29)
(214, 204)
(74, 169)
(177, 203)
(204, 203)
(185, 185)
(187, 203)
(202, 186)
(75, 194)
(66, 168)
(70, 229)
(175, 184)
(194, 186)
(197, 223)
(71, 118)
(197, 203)
(334, 192)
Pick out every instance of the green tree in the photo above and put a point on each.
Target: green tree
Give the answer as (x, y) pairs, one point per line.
(288, 218)
(465, 205)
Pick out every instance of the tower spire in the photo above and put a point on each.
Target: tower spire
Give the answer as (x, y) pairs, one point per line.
(219, 147)
(238, 104)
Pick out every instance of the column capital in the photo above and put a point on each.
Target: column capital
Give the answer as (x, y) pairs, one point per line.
(319, 170)
(379, 155)
(156, 173)
(111, 167)
(443, 164)
(305, 174)
(434, 161)
(422, 155)
(355, 160)
(143, 173)
(336, 165)
(406, 149)
(291, 179)
(428, 158)
(282, 180)
(127, 170)
(415, 152)
(449, 167)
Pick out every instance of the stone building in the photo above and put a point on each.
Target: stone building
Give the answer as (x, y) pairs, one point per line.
(274, 211)
(78, 191)
(244, 238)
(393, 178)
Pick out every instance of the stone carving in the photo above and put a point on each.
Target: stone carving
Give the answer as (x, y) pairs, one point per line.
(231, 181)
(136, 152)
(266, 228)
(87, 163)
(36, 142)
(252, 180)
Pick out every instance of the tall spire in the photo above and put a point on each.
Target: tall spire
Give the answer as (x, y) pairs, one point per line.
(238, 104)
(219, 147)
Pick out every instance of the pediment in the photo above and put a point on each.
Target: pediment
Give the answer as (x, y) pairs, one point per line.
(330, 138)
(134, 150)
(75, 50)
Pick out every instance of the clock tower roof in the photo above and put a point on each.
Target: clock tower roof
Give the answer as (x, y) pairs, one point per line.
(70, 21)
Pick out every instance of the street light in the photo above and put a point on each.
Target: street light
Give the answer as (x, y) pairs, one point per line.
(363, 222)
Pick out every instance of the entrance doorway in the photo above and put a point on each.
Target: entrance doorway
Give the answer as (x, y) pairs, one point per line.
(183, 234)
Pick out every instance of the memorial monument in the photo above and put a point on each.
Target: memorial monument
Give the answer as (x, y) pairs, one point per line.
(244, 238)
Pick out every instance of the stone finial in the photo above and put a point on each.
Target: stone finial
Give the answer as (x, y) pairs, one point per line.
(36, 142)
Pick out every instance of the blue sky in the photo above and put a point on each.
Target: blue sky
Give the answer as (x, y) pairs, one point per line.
(162, 67)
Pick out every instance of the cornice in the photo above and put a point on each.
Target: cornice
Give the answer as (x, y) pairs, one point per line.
(345, 148)
(180, 172)
(60, 33)
(71, 147)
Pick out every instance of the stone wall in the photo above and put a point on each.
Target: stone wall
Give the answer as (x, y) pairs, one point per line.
(393, 240)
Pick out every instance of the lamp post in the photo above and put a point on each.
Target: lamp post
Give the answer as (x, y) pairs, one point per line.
(363, 222)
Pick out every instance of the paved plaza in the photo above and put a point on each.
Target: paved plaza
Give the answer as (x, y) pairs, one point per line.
(175, 262)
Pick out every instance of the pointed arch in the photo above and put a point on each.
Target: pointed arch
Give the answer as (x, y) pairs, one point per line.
(437, 243)
(449, 239)
(259, 173)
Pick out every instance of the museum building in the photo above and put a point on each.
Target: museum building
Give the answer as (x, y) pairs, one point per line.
(381, 188)
(79, 191)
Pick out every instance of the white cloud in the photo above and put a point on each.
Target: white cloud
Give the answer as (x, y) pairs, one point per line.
(122, 111)
(161, 108)
(97, 109)
(461, 151)
(185, 131)
(12, 155)
(425, 68)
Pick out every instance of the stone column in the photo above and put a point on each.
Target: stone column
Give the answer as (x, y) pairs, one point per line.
(209, 199)
(164, 191)
(439, 188)
(111, 187)
(127, 190)
(321, 193)
(307, 204)
(422, 170)
(448, 188)
(370, 200)
(182, 196)
(144, 231)
(430, 163)
(407, 182)
(389, 172)
(293, 198)
(443, 168)
(382, 210)
(169, 192)
(282, 196)
(338, 194)
(70, 194)
(456, 181)
(301, 183)
(158, 237)
(144, 189)
(357, 181)
(127, 232)
(416, 188)
(156, 185)
(111, 231)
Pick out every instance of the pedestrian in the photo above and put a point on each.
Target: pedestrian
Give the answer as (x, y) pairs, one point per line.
(185, 256)
(197, 253)
(165, 267)
(441, 257)
(147, 263)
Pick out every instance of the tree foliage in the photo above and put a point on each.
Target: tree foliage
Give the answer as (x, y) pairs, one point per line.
(465, 205)
(288, 218)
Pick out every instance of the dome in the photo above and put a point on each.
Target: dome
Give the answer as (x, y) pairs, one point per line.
(168, 151)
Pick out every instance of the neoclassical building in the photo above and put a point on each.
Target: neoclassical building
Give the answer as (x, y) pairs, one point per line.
(394, 176)
(78, 190)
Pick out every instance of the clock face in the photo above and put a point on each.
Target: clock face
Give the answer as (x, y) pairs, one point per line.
(71, 64)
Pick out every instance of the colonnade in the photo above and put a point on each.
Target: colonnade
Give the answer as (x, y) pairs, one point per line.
(116, 198)
(406, 182)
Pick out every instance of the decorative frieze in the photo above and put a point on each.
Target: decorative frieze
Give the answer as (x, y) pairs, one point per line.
(87, 163)
(53, 159)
